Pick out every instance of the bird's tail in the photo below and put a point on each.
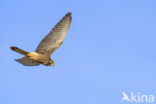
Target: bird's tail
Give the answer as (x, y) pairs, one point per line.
(19, 50)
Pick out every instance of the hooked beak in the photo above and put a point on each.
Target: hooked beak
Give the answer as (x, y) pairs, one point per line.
(52, 64)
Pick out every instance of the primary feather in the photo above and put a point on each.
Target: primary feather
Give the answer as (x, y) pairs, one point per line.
(56, 36)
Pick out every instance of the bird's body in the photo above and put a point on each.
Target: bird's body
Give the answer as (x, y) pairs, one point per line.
(41, 58)
(47, 46)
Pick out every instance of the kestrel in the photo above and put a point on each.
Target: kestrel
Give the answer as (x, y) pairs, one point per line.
(47, 46)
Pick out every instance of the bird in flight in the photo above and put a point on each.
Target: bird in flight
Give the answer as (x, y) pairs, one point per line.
(47, 46)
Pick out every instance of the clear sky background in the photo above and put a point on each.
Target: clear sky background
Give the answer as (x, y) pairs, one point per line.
(110, 48)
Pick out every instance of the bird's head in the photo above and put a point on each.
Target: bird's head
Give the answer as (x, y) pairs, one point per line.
(51, 62)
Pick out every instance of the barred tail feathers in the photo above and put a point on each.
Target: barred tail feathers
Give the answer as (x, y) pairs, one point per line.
(16, 49)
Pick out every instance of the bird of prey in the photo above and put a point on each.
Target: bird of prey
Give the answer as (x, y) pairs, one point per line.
(47, 46)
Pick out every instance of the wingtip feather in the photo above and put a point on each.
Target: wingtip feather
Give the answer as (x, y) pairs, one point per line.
(69, 13)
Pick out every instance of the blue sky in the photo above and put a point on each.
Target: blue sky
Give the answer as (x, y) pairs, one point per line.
(110, 48)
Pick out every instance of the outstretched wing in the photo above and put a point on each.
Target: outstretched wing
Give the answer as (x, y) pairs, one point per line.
(27, 61)
(56, 36)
